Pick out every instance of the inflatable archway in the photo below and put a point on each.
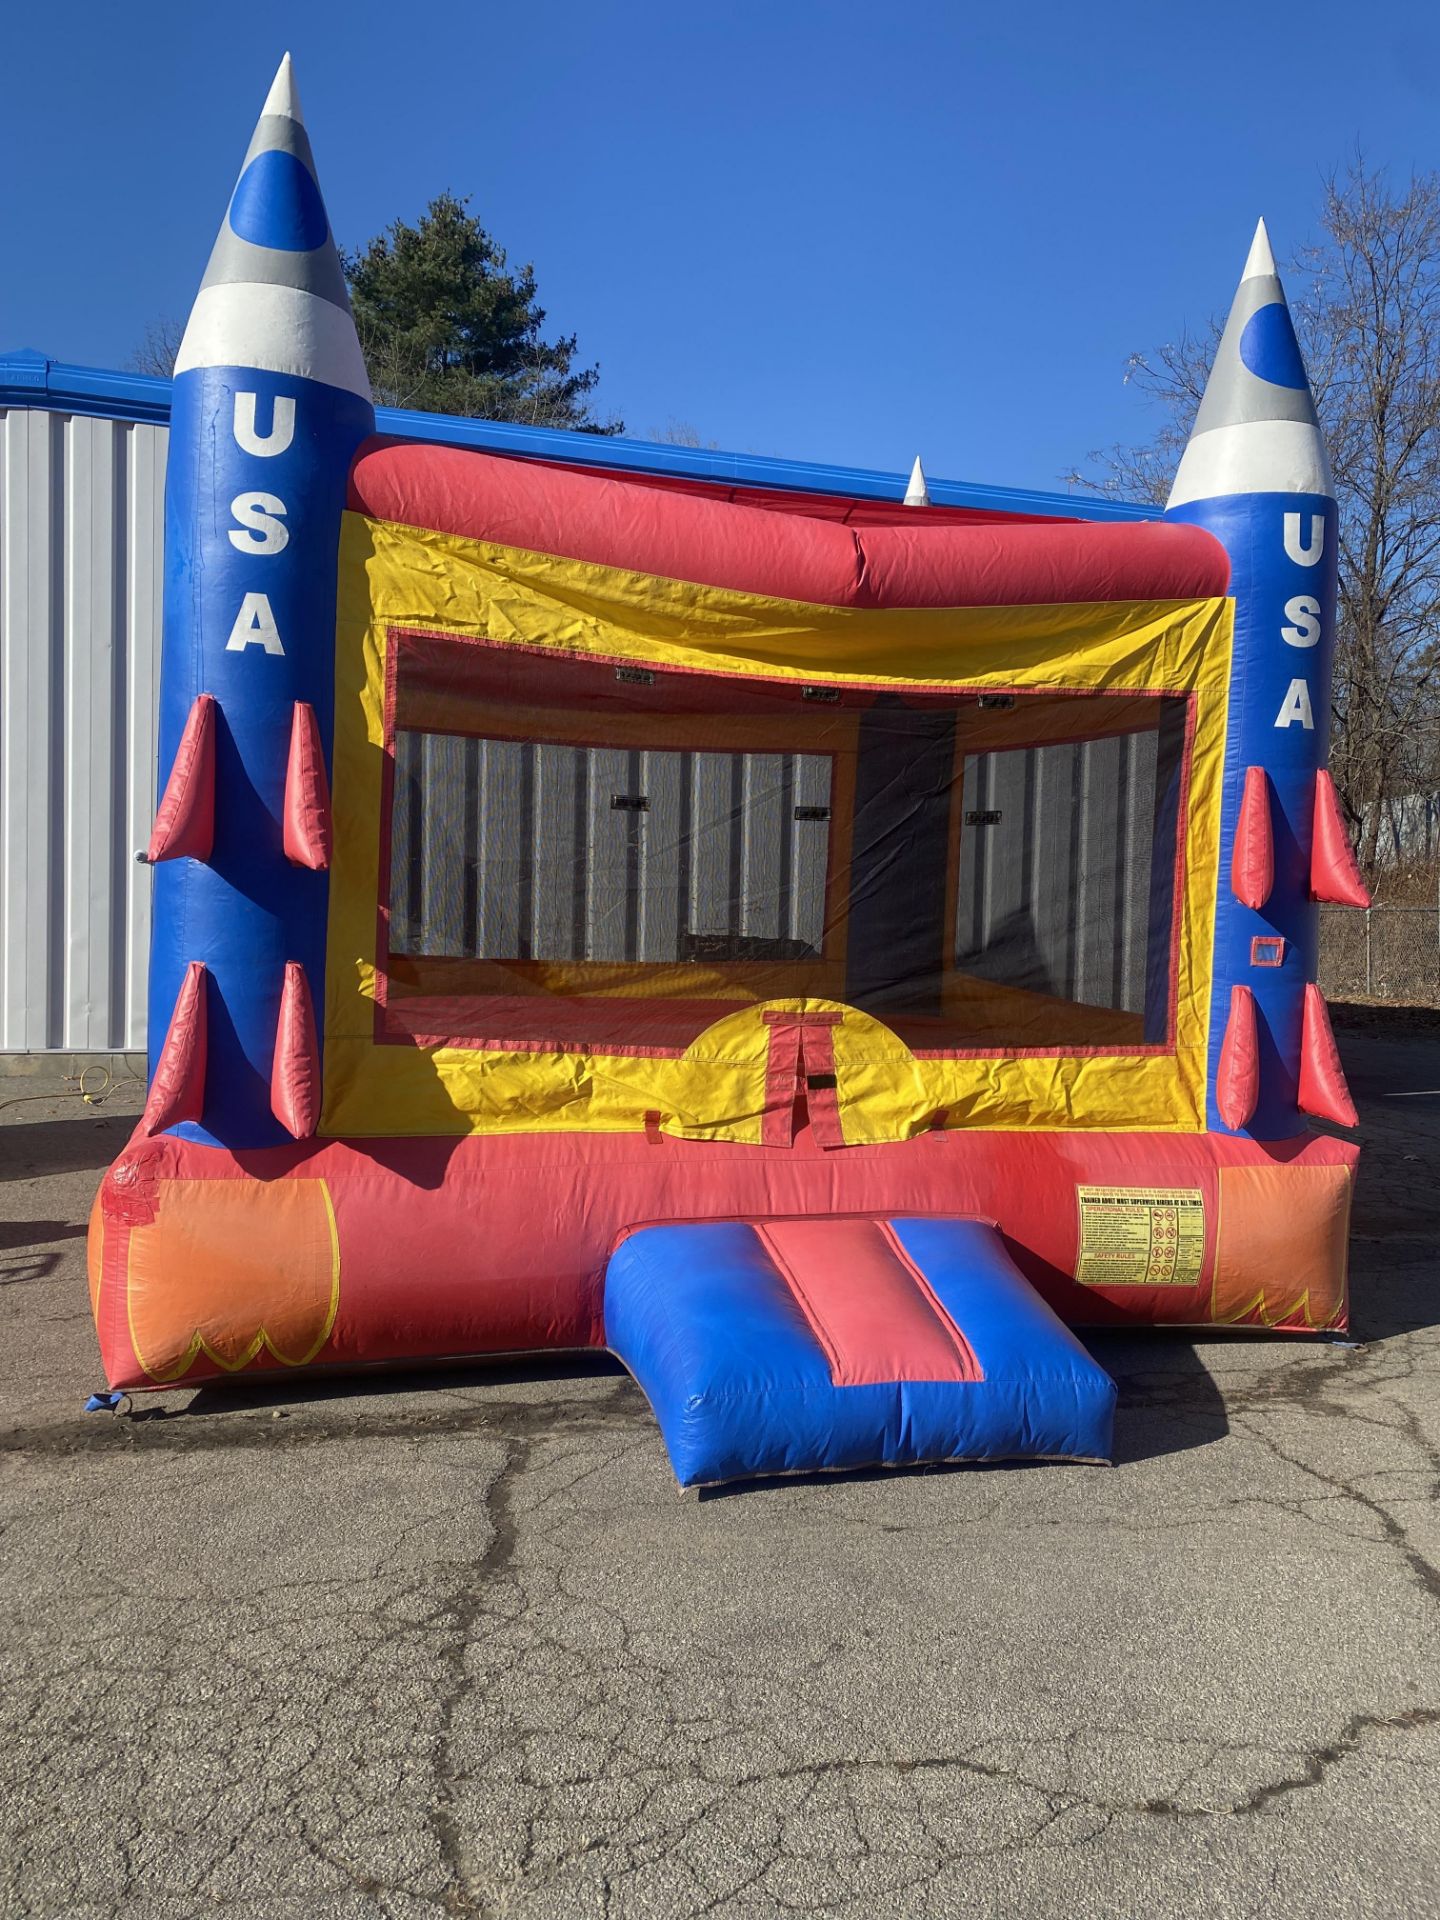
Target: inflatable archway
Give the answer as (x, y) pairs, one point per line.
(763, 933)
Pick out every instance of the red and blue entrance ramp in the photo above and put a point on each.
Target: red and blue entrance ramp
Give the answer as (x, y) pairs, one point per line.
(804, 1345)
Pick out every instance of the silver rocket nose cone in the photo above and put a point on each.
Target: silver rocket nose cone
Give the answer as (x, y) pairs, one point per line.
(1256, 430)
(276, 230)
(274, 293)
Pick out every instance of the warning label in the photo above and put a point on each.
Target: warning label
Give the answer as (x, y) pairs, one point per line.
(1140, 1236)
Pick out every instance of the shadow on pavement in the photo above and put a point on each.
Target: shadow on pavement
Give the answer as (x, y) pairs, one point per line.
(1168, 1401)
(321, 1389)
(43, 1147)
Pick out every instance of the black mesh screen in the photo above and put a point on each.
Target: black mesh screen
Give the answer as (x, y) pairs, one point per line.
(979, 872)
(511, 851)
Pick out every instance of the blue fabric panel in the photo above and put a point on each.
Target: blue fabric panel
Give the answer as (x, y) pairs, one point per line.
(246, 910)
(276, 203)
(1043, 1395)
(741, 1388)
(1264, 580)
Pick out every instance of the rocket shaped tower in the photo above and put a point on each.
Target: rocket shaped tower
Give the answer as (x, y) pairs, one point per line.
(270, 402)
(1255, 473)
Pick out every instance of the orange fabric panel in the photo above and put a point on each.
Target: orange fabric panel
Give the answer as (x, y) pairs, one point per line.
(95, 1258)
(1281, 1246)
(231, 1269)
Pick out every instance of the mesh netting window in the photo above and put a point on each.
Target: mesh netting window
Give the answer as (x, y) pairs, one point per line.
(599, 855)
(1066, 872)
(507, 850)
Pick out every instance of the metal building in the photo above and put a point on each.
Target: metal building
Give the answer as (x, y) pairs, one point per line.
(82, 473)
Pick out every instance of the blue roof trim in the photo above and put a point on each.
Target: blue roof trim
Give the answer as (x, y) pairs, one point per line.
(30, 379)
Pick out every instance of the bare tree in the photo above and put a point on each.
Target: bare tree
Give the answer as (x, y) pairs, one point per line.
(1366, 303)
(156, 352)
(680, 433)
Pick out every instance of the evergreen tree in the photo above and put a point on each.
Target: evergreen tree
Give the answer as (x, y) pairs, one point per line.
(448, 327)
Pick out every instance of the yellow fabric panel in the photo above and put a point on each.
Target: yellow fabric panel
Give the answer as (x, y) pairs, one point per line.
(392, 576)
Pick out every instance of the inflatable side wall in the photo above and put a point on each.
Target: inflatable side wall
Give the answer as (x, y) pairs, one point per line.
(270, 402)
(1255, 475)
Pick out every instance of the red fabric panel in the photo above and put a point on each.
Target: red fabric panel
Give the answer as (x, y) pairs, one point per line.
(555, 510)
(177, 1091)
(494, 1244)
(185, 820)
(1323, 1090)
(1237, 1082)
(817, 1046)
(1335, 875)
(295, 1071)
(848, 510)
(1252, 858)
(782, 1081)
(868, 1304)
(307, 793)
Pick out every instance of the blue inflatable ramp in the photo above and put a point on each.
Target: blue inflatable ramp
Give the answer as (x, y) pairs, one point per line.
(809, 1345)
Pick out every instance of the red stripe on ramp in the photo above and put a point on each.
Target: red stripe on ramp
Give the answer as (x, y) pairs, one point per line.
(870, 1307)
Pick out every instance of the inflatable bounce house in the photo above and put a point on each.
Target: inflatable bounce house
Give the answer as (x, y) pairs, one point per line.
(822, 951)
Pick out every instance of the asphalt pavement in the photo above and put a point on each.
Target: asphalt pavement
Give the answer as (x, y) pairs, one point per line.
(451, 1646)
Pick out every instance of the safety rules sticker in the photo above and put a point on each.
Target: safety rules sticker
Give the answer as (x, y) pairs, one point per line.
(1141, 1236)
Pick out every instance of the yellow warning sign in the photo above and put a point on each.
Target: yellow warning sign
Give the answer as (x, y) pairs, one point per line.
(1140, 1236)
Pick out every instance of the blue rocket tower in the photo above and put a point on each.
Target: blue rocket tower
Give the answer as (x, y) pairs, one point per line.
(270, 401)
(1255, 473)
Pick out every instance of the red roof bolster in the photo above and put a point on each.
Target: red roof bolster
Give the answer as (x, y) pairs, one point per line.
(542, 508)
(847, 508)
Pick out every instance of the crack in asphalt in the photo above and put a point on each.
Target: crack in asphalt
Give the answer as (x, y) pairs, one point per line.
(488, 1626)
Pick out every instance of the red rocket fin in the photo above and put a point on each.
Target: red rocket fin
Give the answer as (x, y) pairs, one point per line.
(1335, 876)
(1237, 1083)
(1323, 1091)
(295, 1075)
(178, 1090)
(307, 793)
(1252, 859)
(185, 820)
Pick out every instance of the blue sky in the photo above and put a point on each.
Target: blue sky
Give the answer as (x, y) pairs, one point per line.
(842, 230)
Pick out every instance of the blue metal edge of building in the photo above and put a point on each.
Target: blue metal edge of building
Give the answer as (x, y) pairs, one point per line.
(31, 379)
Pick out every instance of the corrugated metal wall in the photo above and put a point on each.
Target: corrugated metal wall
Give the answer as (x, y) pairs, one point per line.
(1055, 870)
(507, 851)
(80, 568)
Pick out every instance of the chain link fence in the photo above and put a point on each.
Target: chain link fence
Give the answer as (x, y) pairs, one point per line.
(1381, 953)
